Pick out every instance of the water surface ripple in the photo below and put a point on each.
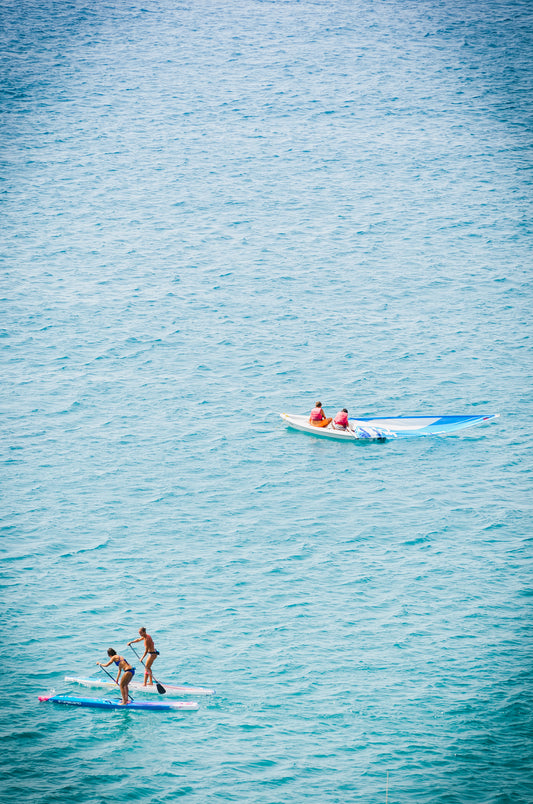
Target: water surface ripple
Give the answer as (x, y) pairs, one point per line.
(212, 213)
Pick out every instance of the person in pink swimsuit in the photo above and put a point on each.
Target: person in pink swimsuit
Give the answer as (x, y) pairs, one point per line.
(340, 422)
(318, 418)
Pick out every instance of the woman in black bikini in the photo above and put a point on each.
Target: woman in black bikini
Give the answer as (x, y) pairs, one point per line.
(125, 668)
(150, 651)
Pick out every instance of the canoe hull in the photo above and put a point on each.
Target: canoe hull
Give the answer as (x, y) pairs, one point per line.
(357, 432)
(376, 428)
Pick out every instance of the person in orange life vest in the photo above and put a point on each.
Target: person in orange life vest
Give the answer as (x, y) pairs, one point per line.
(317, 417)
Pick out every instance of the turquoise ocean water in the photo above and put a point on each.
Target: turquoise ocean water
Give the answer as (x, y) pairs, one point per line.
(213, 212)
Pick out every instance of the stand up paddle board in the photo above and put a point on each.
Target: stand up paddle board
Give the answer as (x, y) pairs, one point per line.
(137, 686)
(101, 703)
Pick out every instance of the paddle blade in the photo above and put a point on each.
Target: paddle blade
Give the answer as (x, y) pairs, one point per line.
(160, 688)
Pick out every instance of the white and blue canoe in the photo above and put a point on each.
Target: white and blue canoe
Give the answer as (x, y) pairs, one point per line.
(138, 686)
(102, 703)
(380, 428)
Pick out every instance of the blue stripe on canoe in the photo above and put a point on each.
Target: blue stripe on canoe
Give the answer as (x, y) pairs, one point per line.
(438, 425)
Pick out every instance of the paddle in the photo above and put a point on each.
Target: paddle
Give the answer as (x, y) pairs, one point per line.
(113, 679)
(160, 688)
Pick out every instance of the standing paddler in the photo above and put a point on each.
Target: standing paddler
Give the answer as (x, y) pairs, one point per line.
(124, 668)
(149, 651)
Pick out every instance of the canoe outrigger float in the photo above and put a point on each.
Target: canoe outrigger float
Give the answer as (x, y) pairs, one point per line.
(382, 428)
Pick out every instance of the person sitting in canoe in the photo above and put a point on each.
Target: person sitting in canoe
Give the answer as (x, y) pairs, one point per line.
(150, 651)
(123, 667)
(340, 422)
(317, 417)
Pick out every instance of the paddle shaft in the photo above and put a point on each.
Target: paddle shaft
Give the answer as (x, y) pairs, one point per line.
(113, 679)
(160, 688)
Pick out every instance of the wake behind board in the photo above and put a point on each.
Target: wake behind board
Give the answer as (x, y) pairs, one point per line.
(137, 686)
